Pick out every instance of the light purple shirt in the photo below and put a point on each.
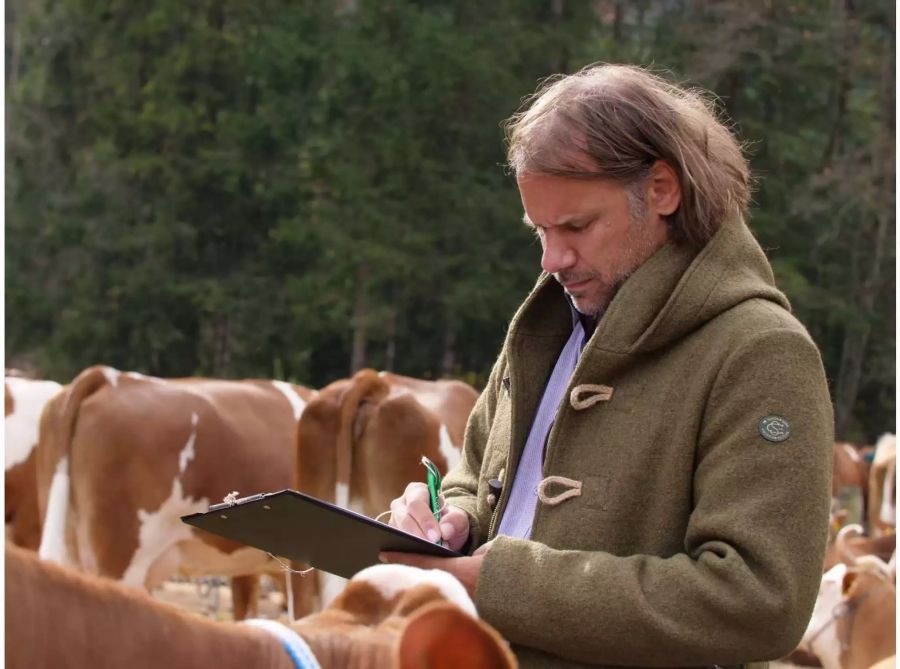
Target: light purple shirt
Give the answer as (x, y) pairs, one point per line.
(519, 513)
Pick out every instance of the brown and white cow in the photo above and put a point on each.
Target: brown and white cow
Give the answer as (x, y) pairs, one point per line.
(389, 616)
(854, 619)
(360, 441)
(850, 544)
(849, 481)
(123, 456)
(24, 401)
(882, 501)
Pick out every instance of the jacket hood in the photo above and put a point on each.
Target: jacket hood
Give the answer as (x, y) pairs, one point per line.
(672, 294)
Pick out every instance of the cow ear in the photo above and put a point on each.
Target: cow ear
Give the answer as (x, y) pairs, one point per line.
(442, 636)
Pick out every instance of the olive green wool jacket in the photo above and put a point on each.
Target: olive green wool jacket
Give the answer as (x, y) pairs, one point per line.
(695, 539)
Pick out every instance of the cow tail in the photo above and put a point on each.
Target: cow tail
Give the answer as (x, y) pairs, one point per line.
(57, 429)
(367, 386)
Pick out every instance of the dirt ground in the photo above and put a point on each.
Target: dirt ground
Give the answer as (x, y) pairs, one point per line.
(212, 598)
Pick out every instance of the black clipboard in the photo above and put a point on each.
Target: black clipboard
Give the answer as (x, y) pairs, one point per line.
(297, 526)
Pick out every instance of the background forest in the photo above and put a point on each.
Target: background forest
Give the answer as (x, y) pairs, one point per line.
(300, 189)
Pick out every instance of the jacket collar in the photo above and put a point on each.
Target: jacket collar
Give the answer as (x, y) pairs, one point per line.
(675, 291)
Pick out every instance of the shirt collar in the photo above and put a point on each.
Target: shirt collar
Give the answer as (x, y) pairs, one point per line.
(588, 323)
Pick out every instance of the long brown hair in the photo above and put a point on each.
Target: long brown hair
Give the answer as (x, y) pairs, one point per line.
(614, 121)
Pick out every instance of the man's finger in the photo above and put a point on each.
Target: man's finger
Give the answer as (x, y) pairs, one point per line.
(419, 512)
(401, 518)
(414, 560)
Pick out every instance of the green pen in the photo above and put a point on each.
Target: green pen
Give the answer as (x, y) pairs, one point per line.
(433, 478)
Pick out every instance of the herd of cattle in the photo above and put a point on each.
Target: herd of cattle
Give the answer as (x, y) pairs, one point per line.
(100, 471)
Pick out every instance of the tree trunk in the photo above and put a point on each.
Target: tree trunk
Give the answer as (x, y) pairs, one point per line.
(390, 349)
(448, 359)
(872, 250)
(221, 345)
(559, 63)
(618, 16)
(849, 27)
(359, 321)
(846, 389)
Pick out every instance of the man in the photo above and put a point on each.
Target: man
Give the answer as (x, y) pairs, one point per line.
(650, 459)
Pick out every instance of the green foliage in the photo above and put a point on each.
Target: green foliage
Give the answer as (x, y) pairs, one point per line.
(273, 189)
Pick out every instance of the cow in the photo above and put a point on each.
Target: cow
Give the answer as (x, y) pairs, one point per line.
(849, 481)
(123, 456)
(24, 401)
(882, 502)
(390, 616)
(853, 622)
(360, 441)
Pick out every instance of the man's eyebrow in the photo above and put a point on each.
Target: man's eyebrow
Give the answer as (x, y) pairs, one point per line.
(568, 220)
(579, 218)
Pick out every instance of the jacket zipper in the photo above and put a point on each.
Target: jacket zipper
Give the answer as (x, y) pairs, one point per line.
(501, 503)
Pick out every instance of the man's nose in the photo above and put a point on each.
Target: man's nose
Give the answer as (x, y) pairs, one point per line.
(557, 255)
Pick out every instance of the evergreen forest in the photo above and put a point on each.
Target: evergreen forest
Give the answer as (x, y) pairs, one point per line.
(297, 190)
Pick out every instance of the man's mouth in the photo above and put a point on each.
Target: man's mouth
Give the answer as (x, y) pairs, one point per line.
(574, 286)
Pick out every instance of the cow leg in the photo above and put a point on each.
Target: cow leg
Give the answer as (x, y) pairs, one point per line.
(245, 596)
(302, 592)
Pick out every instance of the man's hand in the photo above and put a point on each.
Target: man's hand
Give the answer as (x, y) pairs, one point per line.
(465, 569)
(411, 512)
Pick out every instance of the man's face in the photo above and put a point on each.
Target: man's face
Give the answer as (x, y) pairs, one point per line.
(591, 239)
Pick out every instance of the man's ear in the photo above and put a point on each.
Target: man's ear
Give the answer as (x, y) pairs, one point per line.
(664, 196)
(442, 636)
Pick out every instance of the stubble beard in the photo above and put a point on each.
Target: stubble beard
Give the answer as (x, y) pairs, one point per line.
(638, 248)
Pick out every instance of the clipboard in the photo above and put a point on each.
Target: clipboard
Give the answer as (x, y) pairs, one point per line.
(300, 527)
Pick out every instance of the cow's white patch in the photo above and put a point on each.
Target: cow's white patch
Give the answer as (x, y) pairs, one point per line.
(821, 637)
(391, 579)
(112, 375)
(885, 448)
(289, 591)
(162, 529)
(22, 425)
(330, 586)
(357, 504)
(851, 452)
(342, 495)
(888, 512)
(297, 402)
(159, 531)
(187, 453)
(86, 558)
(53, 538)
(143, 377)
(448, 449)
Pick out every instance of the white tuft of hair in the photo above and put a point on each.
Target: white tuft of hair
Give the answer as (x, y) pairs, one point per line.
(391, 579)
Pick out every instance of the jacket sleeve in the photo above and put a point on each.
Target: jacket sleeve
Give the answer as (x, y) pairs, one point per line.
(460, 486)
(744, 586)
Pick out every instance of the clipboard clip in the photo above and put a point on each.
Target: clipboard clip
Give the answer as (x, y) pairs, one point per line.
(231, 499)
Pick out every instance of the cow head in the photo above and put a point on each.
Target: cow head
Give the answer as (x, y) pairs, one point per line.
(405, 617)
(848, 628)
